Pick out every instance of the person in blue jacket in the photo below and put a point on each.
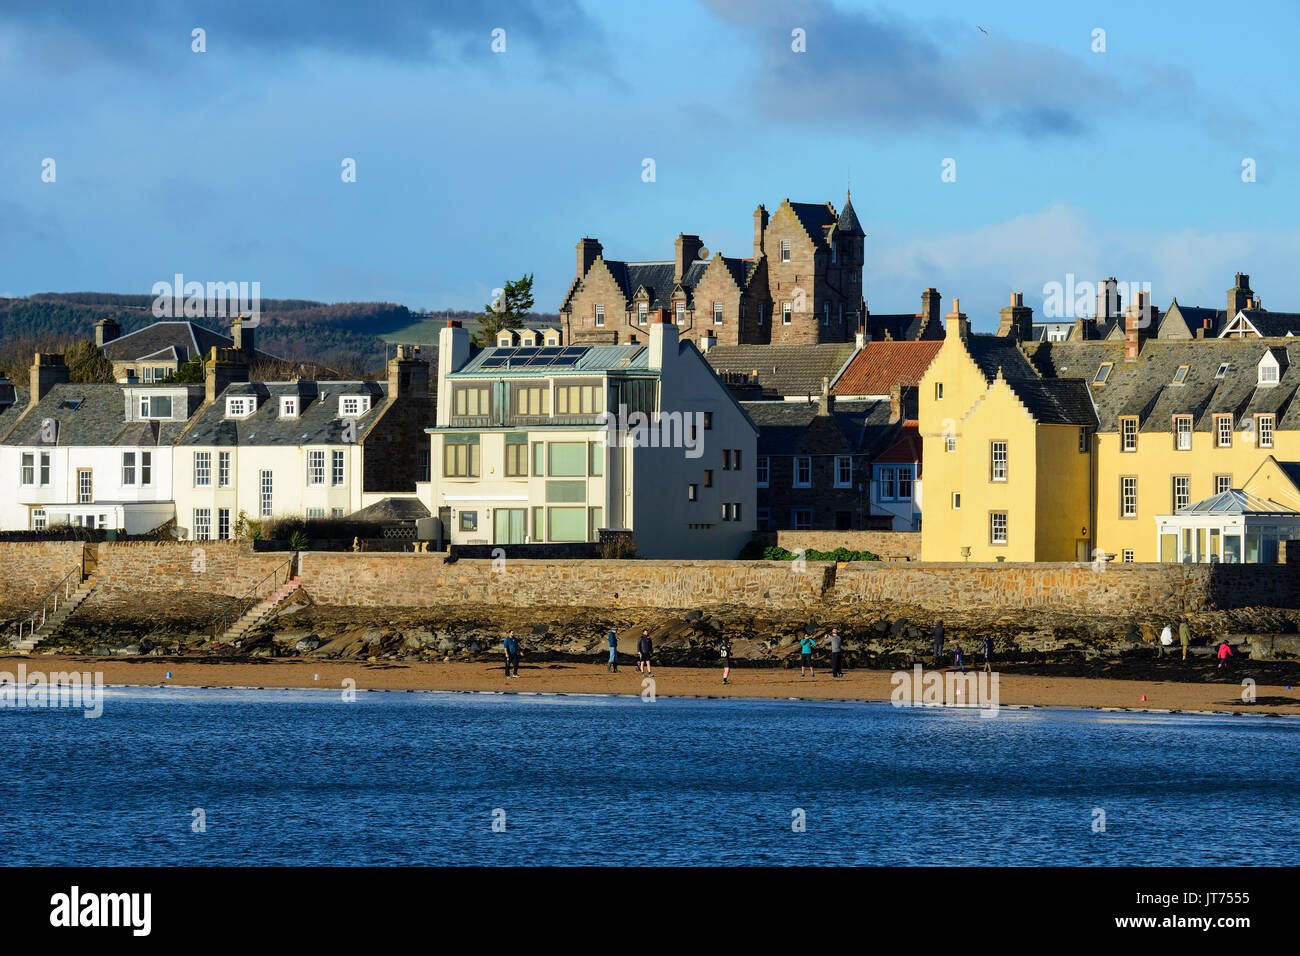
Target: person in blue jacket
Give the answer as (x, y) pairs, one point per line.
(613, 650)
(806, 645)
(512, 654)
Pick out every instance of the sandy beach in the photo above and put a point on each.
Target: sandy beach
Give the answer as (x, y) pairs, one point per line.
(583, 678)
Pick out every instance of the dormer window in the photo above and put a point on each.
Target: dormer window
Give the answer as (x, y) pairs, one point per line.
(289, 406)
(155, 406)
(1269, 371)
(350, 406)
(1103, 373)
(240, 406)
(1180, 376)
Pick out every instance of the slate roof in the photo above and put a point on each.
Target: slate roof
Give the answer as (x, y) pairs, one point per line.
(1145, 388)
(848, 221)
(657, 278)
(1056, 401)
(1273, 324)
(392, 509)
(1193, 318)
(95, 415)
(793, 428)
(13, 401)
(784, 370)
(994, 352)
(878, 366)
(317, 423)
(170, 338)
(816, 219)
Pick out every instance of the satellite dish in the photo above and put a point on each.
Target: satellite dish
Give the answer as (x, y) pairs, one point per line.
(704, 253)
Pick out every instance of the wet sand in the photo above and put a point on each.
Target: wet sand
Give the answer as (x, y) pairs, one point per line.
(583, 678)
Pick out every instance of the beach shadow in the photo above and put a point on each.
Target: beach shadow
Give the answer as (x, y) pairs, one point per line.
(1263, 702)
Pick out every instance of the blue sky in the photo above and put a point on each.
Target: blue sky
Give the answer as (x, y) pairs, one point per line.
(474, 166)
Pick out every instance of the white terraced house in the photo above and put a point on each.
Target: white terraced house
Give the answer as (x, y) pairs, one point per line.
(522, 453)
(92, 455)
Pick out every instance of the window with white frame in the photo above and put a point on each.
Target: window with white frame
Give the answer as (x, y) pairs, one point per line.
(726, 511)
(28, 468)
(785, 313)
(1183, 432)
(1268, 372)
(315, 467)
(1128, 556)
(642, 314)
(240, 406)
(717, 313)
(1128, 496)
(600, 315)
(997, 527)
(202, 469)
(1265, 430)
(905, 483)
(267, 489)
(762, 470)
(223, 524)
(950, 443)
(886, 483)
(223, 469)
(202, 524)
(1128, 434)
(785, 250)
(843, 471)
(803, 472)
(315, 512)
(1223, 431)
(288, 406)
(128, 468)
(1222, 483)
(146, 468)
(155, 406)
(38, 519)
(350, 406)
(1182, 491)
(680, 313)
(336, 466)
(998, 461)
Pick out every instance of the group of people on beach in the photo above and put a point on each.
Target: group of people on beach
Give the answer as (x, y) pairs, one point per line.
(1223, 653)
(958, 658)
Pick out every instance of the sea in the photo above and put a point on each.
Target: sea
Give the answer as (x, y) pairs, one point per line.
(193, 777)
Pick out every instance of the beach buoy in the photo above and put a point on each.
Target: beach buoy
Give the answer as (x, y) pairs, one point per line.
(317, 677)
(169, 675)
(1144, 696)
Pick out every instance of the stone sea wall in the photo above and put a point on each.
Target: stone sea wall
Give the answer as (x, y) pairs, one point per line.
(29, 569)
(886, 545)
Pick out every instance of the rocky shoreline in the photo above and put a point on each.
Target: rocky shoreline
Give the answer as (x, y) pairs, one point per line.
(875, 635)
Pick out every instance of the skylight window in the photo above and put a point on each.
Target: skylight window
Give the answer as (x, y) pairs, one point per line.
(1103, 373)
(1223, 370)
(1180, 376)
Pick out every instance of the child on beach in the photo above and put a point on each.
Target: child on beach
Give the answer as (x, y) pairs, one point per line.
(724, 652)
(957, 661)
(806, 644)
(1225, 651)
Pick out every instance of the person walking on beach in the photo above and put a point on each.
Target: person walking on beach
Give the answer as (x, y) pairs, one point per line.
(1225, 652)
(644, 651)
(938, 641)
(836, 653)
(806, 645)
(724, 652)
(957, 661)
(1184, 635)
(612, 666)
(988, 655)
(1166, 639)
(512, 654)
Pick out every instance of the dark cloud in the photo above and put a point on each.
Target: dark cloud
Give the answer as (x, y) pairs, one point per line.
(889, 72)
(397, 29)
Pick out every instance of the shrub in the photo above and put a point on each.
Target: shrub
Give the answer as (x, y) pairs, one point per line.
(777, 553)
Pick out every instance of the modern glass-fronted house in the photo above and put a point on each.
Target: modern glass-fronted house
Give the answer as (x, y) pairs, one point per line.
(1233, 526)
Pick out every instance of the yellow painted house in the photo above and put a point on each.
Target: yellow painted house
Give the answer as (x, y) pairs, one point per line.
(1055, 451)
(1007, 454)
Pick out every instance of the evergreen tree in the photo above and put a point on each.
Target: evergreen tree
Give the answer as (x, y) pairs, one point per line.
(507, 312)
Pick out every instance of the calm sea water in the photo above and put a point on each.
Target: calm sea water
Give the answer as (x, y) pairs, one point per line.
(302, 777)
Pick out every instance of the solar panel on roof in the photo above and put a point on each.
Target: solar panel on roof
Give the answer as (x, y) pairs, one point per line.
(494, 361)
(551, 350)
(564, 360)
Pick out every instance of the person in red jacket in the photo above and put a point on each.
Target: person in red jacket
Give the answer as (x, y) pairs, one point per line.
(1224, 653)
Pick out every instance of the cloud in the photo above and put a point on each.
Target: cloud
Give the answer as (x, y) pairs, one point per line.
(1026, 252)
(864, 68)
(408, 30)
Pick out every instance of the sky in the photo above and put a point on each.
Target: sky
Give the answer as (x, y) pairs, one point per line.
(1074, 152)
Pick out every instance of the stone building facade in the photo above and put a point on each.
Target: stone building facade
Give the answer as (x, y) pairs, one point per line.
(802, 284)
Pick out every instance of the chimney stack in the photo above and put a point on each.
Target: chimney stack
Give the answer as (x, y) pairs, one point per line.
(48, 370)
(1017, 320)
(243, 337)
(589, 250)
(760, 227)
(1137, 326)
(663, 338)
(223, 367)
(106, 330)
(408, 374)
(826, 403)
(931, 302)
(957, 323)
(687, 251)
(453, 352)
(1108, 303)
(1239, 295)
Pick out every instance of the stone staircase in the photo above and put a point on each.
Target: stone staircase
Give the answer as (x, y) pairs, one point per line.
(259, 611)
(55, 620)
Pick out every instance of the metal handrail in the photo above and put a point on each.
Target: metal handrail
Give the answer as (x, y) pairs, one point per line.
(254, 595)
(50, 603)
